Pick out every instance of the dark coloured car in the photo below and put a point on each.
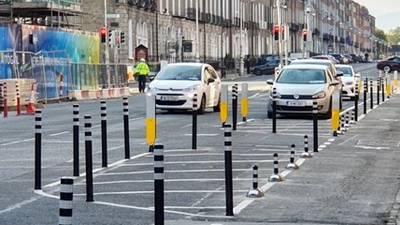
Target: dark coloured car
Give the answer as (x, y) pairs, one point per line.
(356, 58)
(389, 64)
(267, 68)
(340, 58)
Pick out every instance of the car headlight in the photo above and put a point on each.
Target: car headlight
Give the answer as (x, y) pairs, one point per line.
(320, 94)
(278, 96)
(191, 89)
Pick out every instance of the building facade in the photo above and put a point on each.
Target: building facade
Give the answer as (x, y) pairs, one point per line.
(227, 28)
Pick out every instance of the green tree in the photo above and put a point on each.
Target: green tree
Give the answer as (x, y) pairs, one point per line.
(394, 36)
(380, 34)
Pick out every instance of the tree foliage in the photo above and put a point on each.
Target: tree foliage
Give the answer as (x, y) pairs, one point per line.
(380, 34)
(394, 36)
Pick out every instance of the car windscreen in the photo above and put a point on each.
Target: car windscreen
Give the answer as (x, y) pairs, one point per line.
(302, 76)
(180, 72)
(347, 72)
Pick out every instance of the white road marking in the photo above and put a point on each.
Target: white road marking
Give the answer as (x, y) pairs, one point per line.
(200, 162)
(17, 142)
(18, 205)
(212, 154)
(372, 147)
(117, 163)
(165, 180)
(178, 171)
(58, 134)
(166, 191)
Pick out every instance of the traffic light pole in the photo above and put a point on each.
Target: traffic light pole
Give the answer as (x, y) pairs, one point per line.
(278, 8)
(106, 50)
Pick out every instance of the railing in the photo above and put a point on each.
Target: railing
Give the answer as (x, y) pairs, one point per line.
(60, 2)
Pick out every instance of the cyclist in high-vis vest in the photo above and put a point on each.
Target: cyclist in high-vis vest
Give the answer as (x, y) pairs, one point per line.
(142, 71)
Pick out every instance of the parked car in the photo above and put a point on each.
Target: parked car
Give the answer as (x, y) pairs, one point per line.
(176, 84)
(349, 58)
(298, 85)
(340, 58)
(389, 64)
(349, 79)
(326, 57)
(356, 58)
(266, 69)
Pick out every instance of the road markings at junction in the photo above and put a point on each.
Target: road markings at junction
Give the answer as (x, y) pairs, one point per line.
(200, 162)
(175, 171)
(166, 191)
(17, 142)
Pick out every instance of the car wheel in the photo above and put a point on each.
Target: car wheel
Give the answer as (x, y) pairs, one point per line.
(217, 107)
(387, 68)
(202, 108)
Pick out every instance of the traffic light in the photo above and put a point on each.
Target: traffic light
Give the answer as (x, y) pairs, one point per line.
(276, 33)
(103, 34)
(122, 37)
(305, 33)
(111, 41)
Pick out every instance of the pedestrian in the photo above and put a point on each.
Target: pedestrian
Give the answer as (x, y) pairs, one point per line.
(142, 71)
(366, 57)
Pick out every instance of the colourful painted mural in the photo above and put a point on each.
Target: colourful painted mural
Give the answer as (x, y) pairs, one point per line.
(53, 57)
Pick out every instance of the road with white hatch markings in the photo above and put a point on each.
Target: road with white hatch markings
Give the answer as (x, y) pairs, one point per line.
(354, 180)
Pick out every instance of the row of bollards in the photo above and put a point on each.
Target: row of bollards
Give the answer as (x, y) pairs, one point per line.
(88, 140)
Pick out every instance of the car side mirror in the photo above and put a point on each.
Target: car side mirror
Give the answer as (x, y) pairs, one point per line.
(270, 82)
(339, 74)
(210, 80)
(151, 78)
(358, 75)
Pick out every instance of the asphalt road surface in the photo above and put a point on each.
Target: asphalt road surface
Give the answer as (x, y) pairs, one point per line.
(194, 185)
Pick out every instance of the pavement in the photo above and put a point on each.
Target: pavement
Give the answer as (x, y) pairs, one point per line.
(353, 180)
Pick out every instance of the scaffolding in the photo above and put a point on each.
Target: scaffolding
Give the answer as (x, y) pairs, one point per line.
(52, 13)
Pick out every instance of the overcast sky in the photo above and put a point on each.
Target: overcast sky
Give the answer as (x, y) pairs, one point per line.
(387, 12)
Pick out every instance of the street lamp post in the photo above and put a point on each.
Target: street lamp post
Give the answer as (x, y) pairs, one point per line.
(106, 51)
(241, 63)
(197, 33)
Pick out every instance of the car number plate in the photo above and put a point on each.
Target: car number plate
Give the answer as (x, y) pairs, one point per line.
(168, 98)
(296, 103)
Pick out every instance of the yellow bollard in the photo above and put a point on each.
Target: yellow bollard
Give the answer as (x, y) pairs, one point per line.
(224, 104)
(150, 121)
(335, 120)
(244, 102)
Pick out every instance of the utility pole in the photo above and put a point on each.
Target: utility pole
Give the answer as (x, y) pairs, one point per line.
(106, 50)
(278, 8)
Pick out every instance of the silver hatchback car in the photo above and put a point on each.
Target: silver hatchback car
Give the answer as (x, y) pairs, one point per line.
(298, 85)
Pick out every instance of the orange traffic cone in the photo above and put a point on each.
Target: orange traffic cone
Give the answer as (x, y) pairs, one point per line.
(30, 108)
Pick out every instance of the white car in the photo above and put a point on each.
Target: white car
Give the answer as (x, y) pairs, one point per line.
(176, 84)
(349, 79)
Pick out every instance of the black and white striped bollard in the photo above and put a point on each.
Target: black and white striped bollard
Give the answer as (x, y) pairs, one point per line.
(5, 100)
(158, 184)
(75, 139)
(371, 94)
(228, 169)
(66, 201)
(194, 122)
(365, 95)
(255, 192)
(38, 149)
(292, 165)
(315, 125)
(378, 88)
(18, 98)
(103, 115)
(356, 98)
(306, 153)
(352, 116)
(383, 83)
(126, 127)
(347, 120)
(275, 177)
(234, 105)
(89, 158)
(274, 105)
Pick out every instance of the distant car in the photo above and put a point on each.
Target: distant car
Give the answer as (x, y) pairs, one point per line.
(298, 85)
(341, 58)
(176, 84)
(326, 57)
(390, 64)
(356, 58)
(266, 69)
(325, 62)
(349, 79)
(349, 58)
